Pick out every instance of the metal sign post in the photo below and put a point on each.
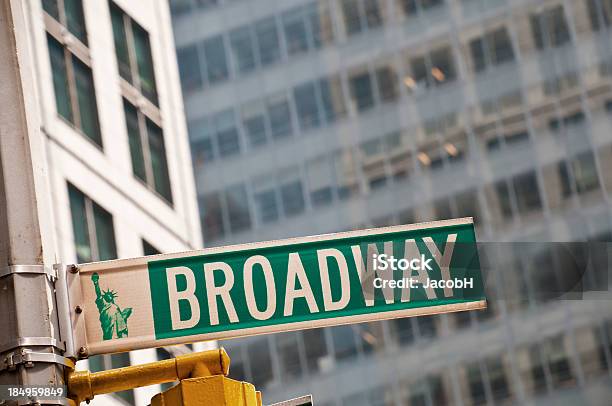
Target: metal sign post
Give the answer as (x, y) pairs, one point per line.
(274, 286)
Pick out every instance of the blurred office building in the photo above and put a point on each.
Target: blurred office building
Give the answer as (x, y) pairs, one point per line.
(113, 138)
(310, 117)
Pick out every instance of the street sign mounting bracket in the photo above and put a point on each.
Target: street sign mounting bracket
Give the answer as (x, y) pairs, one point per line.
(13, 359)
(28, 269)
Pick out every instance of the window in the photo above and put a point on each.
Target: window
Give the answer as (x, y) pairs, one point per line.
(68, 13)
(404, 331)
(345, 345)
(211, 213)
(259, 357)
(493, 48)
(216, 60)
(319, 19)
(295, 31)
(94, 233)
(503, 196)
(306, 106)
(241, 42)
(189, 68)
(133, 51)
(412, 7)
(202, 149)
(315, 348)
(267, 41)
(149, 249)
(386, 78)
(289, 356)
(527, 192)
(319, 177)
(292, 196)
(579, 174)
(476, 384)
(500, 389)
(434, 68)
(254, 123)
(332, 98)
(148, 151)
(226, 133)
(346, 174)
(238, 208)
(361, 90)
(279, 114)
(360, 15)
(549, 28)
(600, 12)
(267, 204)
(75, 95)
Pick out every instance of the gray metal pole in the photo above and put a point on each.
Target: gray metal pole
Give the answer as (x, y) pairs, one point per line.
(30, 345)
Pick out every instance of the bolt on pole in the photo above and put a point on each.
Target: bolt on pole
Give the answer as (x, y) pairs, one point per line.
(31, 349)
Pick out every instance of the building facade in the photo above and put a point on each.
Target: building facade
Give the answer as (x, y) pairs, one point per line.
(117, 154)
(315, 116)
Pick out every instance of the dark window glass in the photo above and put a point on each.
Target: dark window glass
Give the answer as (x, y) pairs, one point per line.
(242, 49)
(527, 192)
(373, 14)
(159, 164)
(75, 95)
(228, 140)
(75, 19)
(148, 152)
(295, 31)
(79, 225)
(211, 213)
(361, 91)
(259, 355)
(387, 83)
(279, 114)
(137, 69)
(321, 25)
(292, 197)
(477, 50)
(501, 46)
(600, 12)
(255, 128)
(86, 98)
(289, 357)
(404, 331)
(267, 40)
(442, 66)
(549, 28)
(500, 389)
(267, 205)
(306, 106)
(202, 151)
(503, 195)
(121, 45)
(352, 18)
(135, 141)
(92, 228)
(60, 79)
(345, 345)
(149, 249)
(216, 60)
(238, 208)
(52, 8)
(72, 17)
(419, 71)
(332, 98)
(476, 383)
(189, 68)
(315, 348)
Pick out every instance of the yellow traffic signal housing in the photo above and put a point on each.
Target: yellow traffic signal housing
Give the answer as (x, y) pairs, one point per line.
(216, 390)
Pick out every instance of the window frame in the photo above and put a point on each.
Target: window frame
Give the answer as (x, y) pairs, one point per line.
(73, 47)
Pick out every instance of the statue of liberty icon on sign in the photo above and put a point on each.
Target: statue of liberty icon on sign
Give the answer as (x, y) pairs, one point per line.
(113, 320)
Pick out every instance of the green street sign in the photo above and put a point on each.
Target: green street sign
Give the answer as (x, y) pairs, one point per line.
(276, 286)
